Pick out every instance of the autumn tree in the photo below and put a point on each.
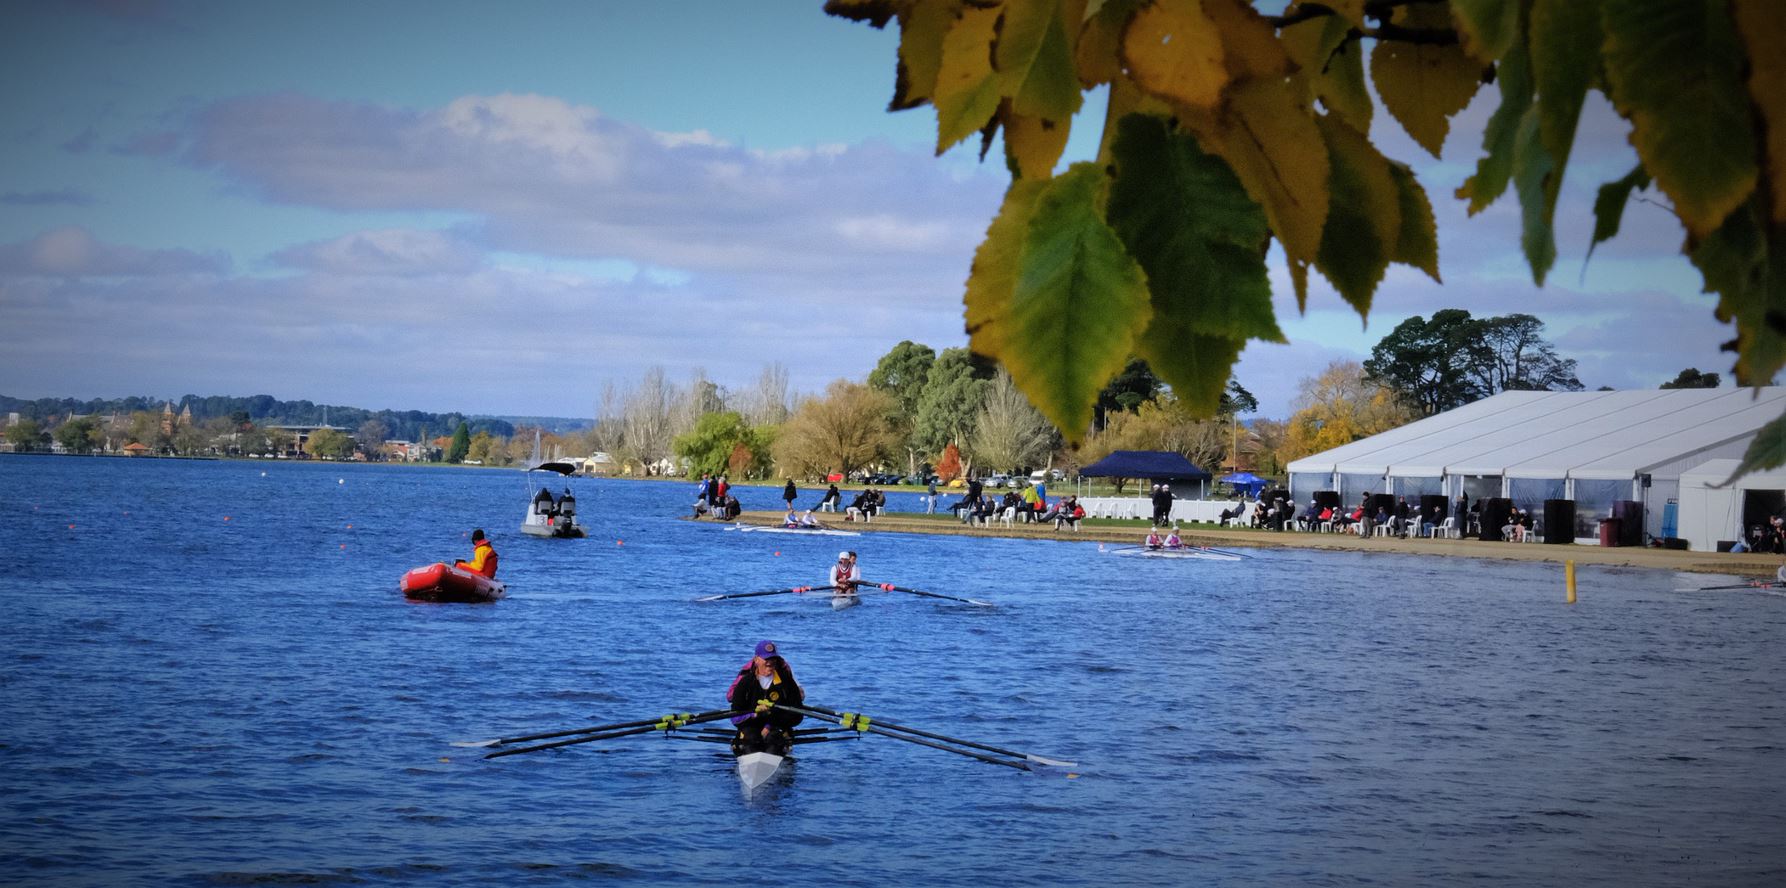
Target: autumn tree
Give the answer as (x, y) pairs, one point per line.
(1340, 406)
(845, 429)
(948, 466)
(1227, 130)
(326, 442)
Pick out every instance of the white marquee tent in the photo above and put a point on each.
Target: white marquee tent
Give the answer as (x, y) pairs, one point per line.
(1712, 511)
(1590, 447)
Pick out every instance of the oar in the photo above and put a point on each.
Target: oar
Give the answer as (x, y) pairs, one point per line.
(889, 587)
(667, 724)
(796, 589)
(1040, 760)
(1229, 552)
(592, 729)
(862, 724)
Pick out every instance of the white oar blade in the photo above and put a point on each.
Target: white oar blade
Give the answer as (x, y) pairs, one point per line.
(475, 744)
(1052, 763)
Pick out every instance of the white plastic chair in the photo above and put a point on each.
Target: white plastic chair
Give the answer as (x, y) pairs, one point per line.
(1447, 529)
(1006, 514)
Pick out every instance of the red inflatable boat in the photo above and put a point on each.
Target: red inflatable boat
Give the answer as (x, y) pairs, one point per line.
(440, 582)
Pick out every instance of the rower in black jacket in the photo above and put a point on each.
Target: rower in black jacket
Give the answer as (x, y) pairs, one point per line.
(766, 677)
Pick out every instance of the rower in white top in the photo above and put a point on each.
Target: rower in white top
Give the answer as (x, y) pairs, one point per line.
(845, 576)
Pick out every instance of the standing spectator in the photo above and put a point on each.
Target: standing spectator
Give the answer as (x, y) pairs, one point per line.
(789, 494)
(930, 497)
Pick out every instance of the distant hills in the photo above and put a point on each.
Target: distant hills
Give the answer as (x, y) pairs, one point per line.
(265, 410)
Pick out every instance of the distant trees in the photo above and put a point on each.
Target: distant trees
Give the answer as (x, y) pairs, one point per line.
(26, 435)
(79, 435)
(952, 395)
(723, 443)
(330, 444)
(1452, 359)
(847, 428)
(1009, 433)
(1691, 378)
(1339, 406)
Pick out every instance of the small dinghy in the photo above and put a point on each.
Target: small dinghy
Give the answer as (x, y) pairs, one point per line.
(548, 516)
(444, 583)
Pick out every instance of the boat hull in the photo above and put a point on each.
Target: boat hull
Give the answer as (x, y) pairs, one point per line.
(839, 602)
(755, 768)
(1194, 554)
(553, 531)
(447, 584)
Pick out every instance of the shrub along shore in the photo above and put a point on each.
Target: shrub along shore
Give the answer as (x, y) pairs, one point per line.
(1131, 532)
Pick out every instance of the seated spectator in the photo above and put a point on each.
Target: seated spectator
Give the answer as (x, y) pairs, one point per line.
(1070, 514)
(729, 510)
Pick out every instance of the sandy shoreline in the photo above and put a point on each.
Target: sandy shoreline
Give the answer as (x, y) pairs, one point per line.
(1740, 565)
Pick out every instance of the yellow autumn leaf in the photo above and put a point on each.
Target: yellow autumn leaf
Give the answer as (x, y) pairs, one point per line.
(1250, 46)
(1268, 135)
(921, 32)
(1423, 85)
(966, 86)
(1174, 51)
(1032, 144)
(1095, 53)
(1763, 30)
(1333, 67)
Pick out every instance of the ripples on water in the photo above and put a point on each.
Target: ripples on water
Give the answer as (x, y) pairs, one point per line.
(211, 679)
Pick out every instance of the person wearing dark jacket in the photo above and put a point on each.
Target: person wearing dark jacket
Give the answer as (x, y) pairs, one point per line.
(767, 678)
(789, 494)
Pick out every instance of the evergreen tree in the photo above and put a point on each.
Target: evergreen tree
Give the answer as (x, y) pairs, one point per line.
(461, 444)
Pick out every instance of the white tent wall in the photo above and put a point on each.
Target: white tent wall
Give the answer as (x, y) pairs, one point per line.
(1710, 513)
(1602, 444)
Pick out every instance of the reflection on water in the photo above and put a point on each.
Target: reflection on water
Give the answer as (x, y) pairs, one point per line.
(209, 677)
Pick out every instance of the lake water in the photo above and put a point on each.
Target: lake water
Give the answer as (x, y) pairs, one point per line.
(210, 678)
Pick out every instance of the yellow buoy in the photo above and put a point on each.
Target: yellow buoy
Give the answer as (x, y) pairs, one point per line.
(1569, 581)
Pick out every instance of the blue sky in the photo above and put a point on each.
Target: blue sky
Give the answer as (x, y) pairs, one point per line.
(499, 208)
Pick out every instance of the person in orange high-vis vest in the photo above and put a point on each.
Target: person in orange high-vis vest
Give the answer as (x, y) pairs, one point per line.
(483, 556)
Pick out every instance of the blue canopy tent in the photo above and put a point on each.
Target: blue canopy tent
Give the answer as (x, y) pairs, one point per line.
(1151, 465)
(1248, 482)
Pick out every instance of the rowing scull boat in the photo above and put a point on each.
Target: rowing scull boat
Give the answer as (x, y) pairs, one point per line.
(804, 531)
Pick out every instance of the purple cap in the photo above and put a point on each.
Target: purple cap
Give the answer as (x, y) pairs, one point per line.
(766, 649)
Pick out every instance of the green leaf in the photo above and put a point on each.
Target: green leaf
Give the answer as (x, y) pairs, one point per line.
(967, 92)
(1674, 68)
(1364, 222)
(1187, 220)
(993, 277)
(1488, 28)
(1418, 242)
(1197, 367)
(1495, 169)
(1767, 451)
(1050, 86)
(1080, 302)
(1531, 166)
(1746, 267)
(1565, 46)
(1422, 84)
(1609, 205)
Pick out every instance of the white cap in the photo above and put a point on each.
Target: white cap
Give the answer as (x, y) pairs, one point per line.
(842, 555)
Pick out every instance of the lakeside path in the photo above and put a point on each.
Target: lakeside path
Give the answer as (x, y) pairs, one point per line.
(1132, 532)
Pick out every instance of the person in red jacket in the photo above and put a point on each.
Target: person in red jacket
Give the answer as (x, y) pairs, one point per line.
(483, 556)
